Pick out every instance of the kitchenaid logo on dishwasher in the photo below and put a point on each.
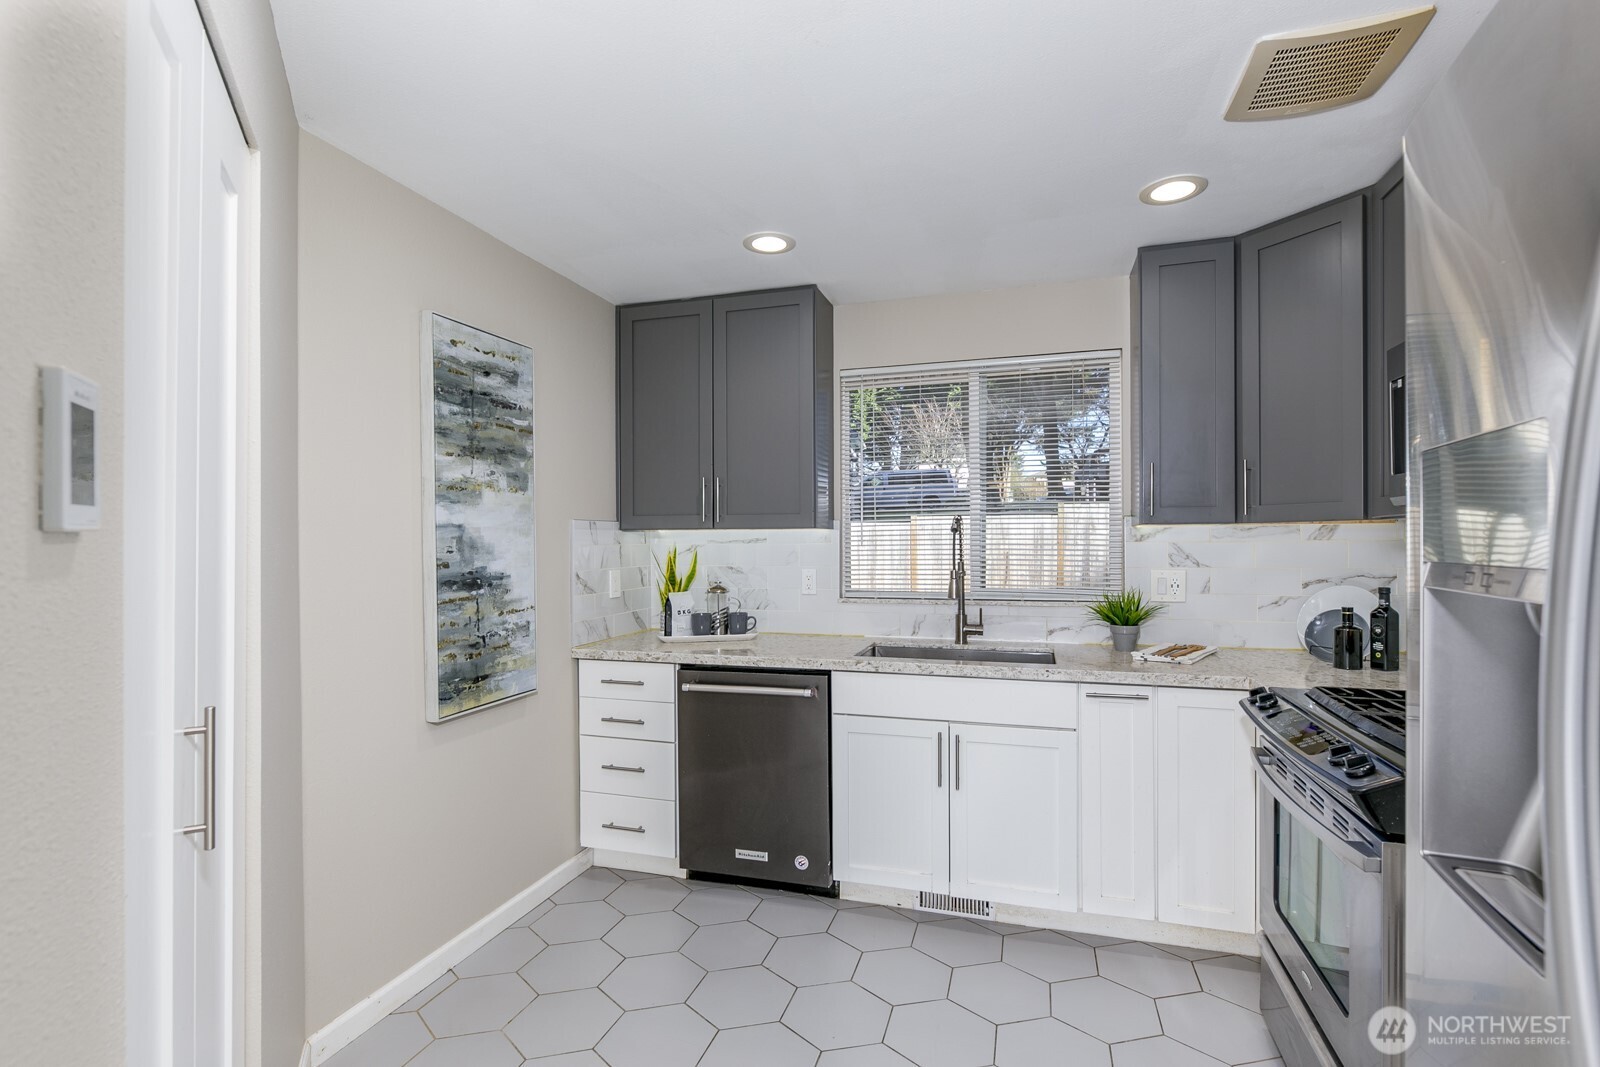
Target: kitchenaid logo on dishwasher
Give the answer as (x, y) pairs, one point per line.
(749, 854)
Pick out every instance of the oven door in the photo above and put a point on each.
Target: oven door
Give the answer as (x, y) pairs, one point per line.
(1324, 912)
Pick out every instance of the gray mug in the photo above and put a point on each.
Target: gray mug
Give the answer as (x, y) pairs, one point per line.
(741, 622)
(700, 624)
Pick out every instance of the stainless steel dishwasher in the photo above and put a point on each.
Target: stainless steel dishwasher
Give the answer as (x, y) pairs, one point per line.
(753, 775)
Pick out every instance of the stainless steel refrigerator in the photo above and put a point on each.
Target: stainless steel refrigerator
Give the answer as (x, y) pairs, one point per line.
(1503, 225)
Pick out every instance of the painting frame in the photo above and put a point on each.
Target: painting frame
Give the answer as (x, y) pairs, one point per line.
(505, 536)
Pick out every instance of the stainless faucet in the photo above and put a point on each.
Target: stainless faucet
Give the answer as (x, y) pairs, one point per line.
(958, 587)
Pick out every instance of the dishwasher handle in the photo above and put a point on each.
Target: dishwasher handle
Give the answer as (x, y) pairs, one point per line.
(805, 693)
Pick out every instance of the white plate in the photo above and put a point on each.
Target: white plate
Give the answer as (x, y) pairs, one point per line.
(1331, 599)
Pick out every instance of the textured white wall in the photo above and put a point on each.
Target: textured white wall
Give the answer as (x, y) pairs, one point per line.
(412, 831)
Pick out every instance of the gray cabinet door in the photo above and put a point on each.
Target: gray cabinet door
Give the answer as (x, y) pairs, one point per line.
(1183, 372)
(1302, 433)
(1386, 346)
(772, 415)
(664, 424)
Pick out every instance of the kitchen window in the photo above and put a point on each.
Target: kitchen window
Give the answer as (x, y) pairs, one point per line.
(1028, 451)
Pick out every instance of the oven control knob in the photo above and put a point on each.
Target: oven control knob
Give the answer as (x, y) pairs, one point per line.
(1359, 767)
(1265, 700)
(1338, 753)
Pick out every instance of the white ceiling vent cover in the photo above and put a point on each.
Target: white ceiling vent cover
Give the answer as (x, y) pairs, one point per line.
(1295, 73)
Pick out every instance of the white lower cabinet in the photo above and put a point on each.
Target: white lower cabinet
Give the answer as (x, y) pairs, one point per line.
(627, 759)
(890, 802)
(1117, 742)
(1205, 810)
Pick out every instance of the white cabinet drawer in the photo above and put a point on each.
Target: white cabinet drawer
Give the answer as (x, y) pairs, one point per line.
(638, 719)
(628, 824)
(627, 767)
(998, 701)
(618, 680)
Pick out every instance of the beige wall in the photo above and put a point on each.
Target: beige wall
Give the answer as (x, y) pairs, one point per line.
(412, 831)
(61, 918)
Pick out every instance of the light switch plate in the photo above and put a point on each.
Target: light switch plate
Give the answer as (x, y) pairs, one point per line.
(1169, 587)
(808, 581)
(613, 584)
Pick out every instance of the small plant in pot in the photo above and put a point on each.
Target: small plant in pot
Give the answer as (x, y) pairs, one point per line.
(675, 580)
(1124, 612)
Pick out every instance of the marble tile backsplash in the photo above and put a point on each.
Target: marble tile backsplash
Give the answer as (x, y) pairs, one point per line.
(1246, 583)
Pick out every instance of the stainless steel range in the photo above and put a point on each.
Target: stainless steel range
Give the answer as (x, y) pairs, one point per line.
(1332, 866)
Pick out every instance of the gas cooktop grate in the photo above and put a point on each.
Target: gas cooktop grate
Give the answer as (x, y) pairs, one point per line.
(1386, 707)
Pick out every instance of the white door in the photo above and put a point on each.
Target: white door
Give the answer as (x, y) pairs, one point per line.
(1205, 810)
(188, 169)
(1014, 815)
(1117, 762)
(891, 781)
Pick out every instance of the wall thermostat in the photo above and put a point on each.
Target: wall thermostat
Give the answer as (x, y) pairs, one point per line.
(70, 500)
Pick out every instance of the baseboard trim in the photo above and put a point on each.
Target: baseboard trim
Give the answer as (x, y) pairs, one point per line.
(358, 1020)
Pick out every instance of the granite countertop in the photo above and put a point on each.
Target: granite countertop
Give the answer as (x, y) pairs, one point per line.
(1228, 668)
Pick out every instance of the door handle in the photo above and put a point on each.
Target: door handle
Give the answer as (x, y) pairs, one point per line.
(938, 763)
(1119, 696)
(1246, 491)
(207, 732)
(621, 681)
(717, 498)
(625, 722)
(958, 763)
(1151, 492)
(748, 690)
(702, 498)
(619, 826)
(616, 767)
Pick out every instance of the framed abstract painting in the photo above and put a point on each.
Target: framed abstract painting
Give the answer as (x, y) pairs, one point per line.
(479, 588)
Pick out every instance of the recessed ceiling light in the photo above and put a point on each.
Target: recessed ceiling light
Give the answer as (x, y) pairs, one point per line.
(768, 243)
(1174, 190)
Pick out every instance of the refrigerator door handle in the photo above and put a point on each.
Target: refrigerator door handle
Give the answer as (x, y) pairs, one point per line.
(1570, 692)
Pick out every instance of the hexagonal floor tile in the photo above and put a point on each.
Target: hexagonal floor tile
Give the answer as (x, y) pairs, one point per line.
(1000, 993)
(394, 1039)
(771, 1045)
(1233, 978)
(707, 907)
(864, 1056)
(644, 935)
(592, 884)
(742, 996)
(1216, 1027)
(470, 1050)
(579, 965)
(563, 1022)
(1104, 1009)
(837, 1015)
(903, 976)
(505, 952)
(586, 1058)
(940, 1034)
(1048, 955)
(535, 912)
(1097, 940)
(1159, 1052)
(728, 945)
(435, 987)
(812, 959)
(474, 1005)
(1148, 969)
(576, 922)
(1040, 1041)
(651, 981)
(787, 916)
(672, 1036)
(873, 928)
(957, 942)
(1191, 954)
(646, 895)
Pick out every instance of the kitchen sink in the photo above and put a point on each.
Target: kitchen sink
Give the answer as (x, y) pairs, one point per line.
(962, 654)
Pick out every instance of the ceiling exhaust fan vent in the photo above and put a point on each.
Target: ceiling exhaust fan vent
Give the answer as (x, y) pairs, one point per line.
(1292, 74)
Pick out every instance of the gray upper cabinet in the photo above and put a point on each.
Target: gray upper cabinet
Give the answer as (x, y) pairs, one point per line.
(723, 415)
(1386, 346)
(1183, 378)
(1302, 361)
(664, 425)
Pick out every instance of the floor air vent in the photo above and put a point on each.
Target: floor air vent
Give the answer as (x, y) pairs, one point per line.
(1295, 73)
(949, 905)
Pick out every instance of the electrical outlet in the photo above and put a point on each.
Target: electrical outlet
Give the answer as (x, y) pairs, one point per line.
(808, 581)
(613, 584)
(1169, 587)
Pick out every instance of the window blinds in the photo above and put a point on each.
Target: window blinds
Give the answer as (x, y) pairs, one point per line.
(1028, 451)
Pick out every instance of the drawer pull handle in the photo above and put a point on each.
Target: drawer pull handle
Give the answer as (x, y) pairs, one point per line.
(1119, 696)
(627, 722)
(618, 826)
(616, 767)
(621, 681)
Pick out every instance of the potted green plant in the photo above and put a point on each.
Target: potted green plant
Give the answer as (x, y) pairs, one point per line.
(1124, 612)
(675, 582)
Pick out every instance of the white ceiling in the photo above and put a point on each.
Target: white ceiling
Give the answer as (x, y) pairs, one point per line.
(911, 146)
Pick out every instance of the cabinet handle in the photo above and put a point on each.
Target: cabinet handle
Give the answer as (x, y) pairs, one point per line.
(616, 767)
(1246, 490)
(626, 722)
(621, 681)
(958, 763)
(1119, 696)
(618, 826)
(717, 498)
(207, 732)
(702, 499)
(1151, 491)
(938, 763)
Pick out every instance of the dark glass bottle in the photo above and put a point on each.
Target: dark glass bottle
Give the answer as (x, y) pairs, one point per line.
(1347, 641)
(1384, 632)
